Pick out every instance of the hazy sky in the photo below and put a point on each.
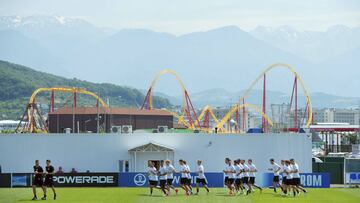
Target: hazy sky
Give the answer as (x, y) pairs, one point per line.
(183, 16)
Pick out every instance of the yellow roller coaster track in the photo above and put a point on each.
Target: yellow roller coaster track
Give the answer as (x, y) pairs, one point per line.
(161, 73)
(181, 118)
(292, 70)
(56, 89)
(237, 107)
(208, 108)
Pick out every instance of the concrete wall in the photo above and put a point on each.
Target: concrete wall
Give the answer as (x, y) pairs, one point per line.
(101, 153)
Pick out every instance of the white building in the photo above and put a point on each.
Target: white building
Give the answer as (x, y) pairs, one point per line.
(130, 152)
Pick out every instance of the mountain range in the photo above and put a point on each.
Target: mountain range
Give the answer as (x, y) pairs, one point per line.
(228, 57)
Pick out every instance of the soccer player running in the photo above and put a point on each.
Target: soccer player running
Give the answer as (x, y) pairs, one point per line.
(284, 184)
(184, 175)
(246, 176)
(153, 177)
(50, 171)
(238, 176)
(252, 171)
(275, 168)
(38, 179)
(201, 179)
(188, 182)
(163, 178)
(230, 174)
(296, 176)
(289, 178)
(170, 169)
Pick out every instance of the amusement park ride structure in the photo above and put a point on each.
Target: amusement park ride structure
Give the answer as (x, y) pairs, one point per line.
(188, 116)
(32, 118)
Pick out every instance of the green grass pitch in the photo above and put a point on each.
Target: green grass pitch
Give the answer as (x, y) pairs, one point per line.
(140, 195)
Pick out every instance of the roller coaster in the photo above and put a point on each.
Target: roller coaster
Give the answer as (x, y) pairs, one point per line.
(32, 117)
(187, 116)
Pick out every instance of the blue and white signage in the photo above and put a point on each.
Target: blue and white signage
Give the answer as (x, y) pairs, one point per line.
(353, 178)
(141, 179)
(310, 180)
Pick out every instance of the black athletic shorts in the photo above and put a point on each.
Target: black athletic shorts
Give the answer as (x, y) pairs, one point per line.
(201, 180)
(183, 181)
(226, 180)
(49, 182)
(245, 180)
(162, 183)
(284, 180)
(276, 179)
(252, 180)
(188, 181)
(38, 182)
(238, 181)
(296, 181)
(231, 181)
(169, 181)
(290, 181)
(153, 182)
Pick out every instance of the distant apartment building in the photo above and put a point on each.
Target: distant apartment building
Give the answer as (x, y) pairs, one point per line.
(332, 115)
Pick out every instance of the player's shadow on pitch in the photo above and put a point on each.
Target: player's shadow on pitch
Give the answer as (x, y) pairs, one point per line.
(146, 195)
(222, 194)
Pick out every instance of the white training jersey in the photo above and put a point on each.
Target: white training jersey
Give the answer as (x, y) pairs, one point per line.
(252, 169)
(246, 168)
(163, 173)
(288, 171)
(283, 170)
(170, 171)
(183, 168)
(276, 169)
(231, 170)
(188, 175)
(201, 172)
(295, 174)
(242, 173)
(238, 170)
(152, 174)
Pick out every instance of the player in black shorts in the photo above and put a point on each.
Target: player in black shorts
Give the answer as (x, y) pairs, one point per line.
(38, 179)
(49, 178)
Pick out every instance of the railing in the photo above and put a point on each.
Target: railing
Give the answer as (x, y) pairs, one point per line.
(338, 148)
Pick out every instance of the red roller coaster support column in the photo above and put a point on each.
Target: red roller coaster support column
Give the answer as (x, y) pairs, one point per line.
(52, 101)
(264, 124)
(146, 103)
(237, 128)
(243, 116)
(190, 109)
(206, 123)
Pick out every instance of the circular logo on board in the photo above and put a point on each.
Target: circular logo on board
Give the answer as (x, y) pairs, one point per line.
(139, 179)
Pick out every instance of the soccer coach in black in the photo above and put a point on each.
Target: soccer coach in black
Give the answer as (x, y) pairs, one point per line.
(38, 179)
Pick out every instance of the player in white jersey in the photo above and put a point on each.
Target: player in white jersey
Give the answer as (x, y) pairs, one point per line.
(170, 169)
(289, 178)
(163, 178)
(184, 177)
(246, 176)
(252, 171)
(188, 182)
(153, 176)
(284, 183)
(230, 174)
(275, 168)
(238, 176)
(201, 179)
(296, 176)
